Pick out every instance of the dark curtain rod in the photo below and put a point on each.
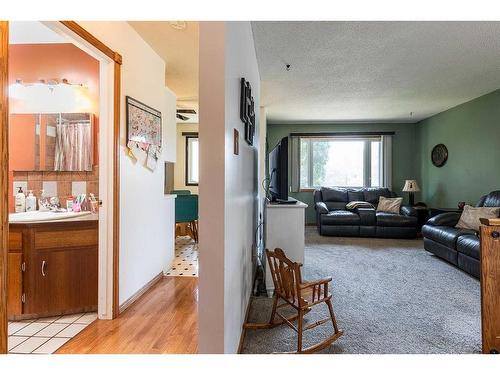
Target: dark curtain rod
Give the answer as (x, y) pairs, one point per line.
(335, 134)
(189, 134)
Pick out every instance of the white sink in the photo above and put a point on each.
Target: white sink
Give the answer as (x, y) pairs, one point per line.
(36, 216)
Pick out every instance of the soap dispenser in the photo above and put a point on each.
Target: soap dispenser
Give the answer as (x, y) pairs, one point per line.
(30, 202)
(20, 201)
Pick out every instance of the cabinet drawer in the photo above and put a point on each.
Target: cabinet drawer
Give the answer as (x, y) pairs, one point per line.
(65, 238)
(15, 241)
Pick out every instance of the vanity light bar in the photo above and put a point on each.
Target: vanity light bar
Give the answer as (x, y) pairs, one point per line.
(50, 82)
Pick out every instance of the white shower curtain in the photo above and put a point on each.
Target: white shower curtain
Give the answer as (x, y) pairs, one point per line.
(73, 146)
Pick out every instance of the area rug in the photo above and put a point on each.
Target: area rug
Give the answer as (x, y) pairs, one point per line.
(389, 296)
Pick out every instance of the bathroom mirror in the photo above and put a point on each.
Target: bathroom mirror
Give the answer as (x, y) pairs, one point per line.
(51, 142)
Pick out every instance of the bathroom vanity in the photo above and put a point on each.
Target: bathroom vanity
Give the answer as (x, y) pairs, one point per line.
(52, 265)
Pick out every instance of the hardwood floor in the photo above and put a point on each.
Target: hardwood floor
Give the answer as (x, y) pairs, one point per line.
(163, 320)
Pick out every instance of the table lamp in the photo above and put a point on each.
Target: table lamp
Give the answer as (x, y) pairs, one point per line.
(411, 187)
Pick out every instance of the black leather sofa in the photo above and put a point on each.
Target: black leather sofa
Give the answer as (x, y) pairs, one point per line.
(458, 246)
(333, 219)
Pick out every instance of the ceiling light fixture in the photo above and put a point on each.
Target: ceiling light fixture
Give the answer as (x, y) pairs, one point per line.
(178, 25)
(288, 67)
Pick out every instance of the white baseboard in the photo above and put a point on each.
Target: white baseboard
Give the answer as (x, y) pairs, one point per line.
(125, 305)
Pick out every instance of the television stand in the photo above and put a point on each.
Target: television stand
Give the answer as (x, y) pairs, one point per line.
(282, 201)
(284, 228)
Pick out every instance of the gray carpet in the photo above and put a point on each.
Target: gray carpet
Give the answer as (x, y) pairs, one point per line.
(389, 296)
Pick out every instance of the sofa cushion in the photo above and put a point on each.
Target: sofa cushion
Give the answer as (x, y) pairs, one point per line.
(335, 205)
(391, 205)
(340, 217)
(355, 195)
(444, 235)
(358, 204)
(366, 216)
(469, 245)
(471, 215)
(372, 195)
(492, 199)
(334, 195)
(387, 219)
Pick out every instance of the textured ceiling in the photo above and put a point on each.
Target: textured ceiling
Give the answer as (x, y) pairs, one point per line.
(373, 71)
(179, 49)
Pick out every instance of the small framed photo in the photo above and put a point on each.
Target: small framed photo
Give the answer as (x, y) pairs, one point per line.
(236, 142)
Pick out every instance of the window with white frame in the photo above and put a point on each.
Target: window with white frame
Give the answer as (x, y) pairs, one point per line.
(340, 161)
(192, 160)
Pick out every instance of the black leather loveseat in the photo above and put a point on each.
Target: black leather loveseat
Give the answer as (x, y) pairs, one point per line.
(458, 246)
(333, 219)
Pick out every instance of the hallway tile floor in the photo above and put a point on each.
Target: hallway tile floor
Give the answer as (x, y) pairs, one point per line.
(186, 258)
(46, 335)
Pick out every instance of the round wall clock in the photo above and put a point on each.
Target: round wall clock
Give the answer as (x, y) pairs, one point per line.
(439, 155)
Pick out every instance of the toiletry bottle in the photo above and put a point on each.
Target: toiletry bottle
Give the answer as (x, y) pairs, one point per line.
(30, 202)
(69, 203)
(20, 201)
(42, 202)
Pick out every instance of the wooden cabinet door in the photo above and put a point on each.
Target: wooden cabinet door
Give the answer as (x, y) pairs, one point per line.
(14, 284)
(62, 280)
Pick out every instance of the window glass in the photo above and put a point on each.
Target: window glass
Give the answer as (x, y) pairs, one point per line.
(336, 161)
(192, 161)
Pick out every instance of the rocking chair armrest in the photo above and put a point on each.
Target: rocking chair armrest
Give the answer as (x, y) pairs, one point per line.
(309, 284)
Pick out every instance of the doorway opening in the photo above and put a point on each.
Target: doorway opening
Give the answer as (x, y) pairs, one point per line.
(63, 116)
(178, 44)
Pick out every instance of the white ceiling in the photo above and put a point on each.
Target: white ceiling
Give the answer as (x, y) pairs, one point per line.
(373, 71)
(179, 48)
(32, 32)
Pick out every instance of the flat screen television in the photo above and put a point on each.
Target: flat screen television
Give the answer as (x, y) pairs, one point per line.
(278, 173)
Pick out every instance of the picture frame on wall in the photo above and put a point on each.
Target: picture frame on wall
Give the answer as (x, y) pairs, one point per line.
(143, 123)
(247, 110)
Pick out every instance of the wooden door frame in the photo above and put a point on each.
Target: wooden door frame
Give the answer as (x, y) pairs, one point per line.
(117, 61)
(4, 180)
(4, 172)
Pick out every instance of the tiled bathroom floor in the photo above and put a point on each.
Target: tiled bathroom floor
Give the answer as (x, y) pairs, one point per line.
(46, 335)
(186, 258)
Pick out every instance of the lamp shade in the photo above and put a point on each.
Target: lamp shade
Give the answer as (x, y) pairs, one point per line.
(411, 185)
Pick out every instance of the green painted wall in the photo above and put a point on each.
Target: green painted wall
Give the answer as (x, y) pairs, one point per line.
(471, 132)
(403, 157)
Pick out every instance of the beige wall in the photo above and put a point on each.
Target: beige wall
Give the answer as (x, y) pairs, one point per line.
(180, 162)
(211, 202)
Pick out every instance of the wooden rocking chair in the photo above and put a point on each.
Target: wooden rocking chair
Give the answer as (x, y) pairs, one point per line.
(301, 296)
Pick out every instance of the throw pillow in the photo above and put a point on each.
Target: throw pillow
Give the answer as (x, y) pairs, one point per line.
(470, 216)
(358, 204)
(391, 205)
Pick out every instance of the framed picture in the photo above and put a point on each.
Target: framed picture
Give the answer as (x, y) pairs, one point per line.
(143, 123)
(247, 110)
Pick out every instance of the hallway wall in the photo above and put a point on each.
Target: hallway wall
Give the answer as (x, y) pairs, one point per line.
(228, 184)
(146, 214)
